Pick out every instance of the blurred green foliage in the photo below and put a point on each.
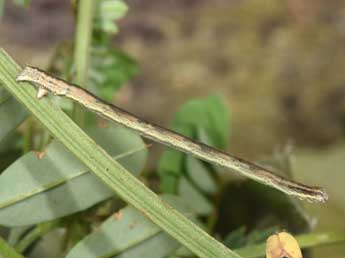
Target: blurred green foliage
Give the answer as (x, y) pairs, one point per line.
(265, 50)
(107, 14)
(23, 3)
(109, 70)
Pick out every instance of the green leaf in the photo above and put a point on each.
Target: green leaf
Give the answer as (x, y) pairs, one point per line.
(210, 114)
(11, 115)
(129, 234)
(171, 164)
(205, 120)
(204, 137)
(198, 203)
(34, 190)
(114, 9)
(219, 120)
(109, 68)
(81, 50)
(172, 160)
(200, 175)
(169, 183)
(108, 12)
(236, 238)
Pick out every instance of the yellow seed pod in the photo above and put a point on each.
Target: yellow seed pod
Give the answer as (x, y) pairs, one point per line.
(282, 245)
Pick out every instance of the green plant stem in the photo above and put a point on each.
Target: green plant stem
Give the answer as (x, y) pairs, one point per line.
(305, 241)
(128, 187)
(35, 234)
(6, 251)
(82, 43)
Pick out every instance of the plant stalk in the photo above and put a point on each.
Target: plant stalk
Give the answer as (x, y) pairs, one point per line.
(83, 38)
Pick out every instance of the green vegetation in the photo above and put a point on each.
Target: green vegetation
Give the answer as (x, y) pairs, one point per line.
(82, 178)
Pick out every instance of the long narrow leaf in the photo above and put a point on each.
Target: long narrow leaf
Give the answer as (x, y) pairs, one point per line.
(111, 172)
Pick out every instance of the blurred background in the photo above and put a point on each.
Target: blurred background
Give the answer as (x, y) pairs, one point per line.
(279, 65)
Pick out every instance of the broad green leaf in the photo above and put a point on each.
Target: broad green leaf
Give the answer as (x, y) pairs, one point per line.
(198, 203)
(191, 113)
(34, 190)
(210, 114)
(12, 114)
(129, 234)
(198, 119)
(219, 120)
(200, 175)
